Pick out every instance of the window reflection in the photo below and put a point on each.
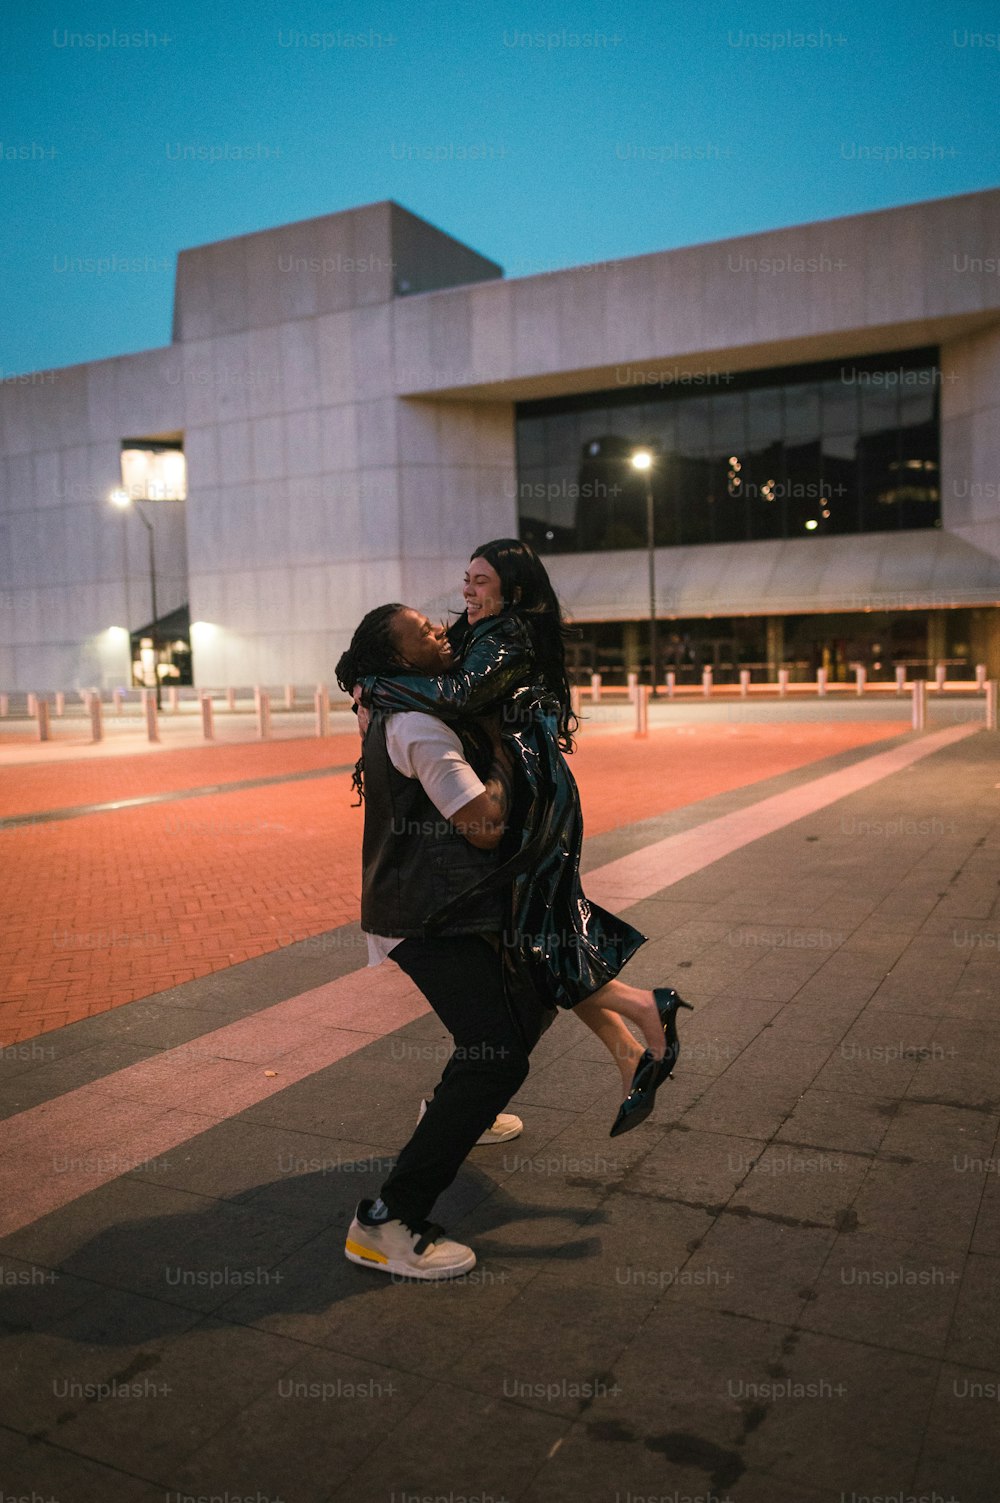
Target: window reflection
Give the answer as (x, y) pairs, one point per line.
(839, 402)
(840, 483)
(798, 451)
(764, 467)
(801, 403)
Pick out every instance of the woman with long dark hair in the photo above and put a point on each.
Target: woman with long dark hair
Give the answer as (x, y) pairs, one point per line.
(558, 946)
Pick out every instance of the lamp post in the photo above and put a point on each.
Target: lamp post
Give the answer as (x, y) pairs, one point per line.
(123, 500)
(642, 460)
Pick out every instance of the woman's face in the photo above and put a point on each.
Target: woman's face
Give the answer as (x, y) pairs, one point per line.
(482, 591)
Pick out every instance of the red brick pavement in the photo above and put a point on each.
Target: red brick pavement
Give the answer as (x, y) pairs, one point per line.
(106, 908)
(34, 786)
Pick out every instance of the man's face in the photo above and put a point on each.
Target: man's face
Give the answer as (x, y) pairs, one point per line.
(420, 644)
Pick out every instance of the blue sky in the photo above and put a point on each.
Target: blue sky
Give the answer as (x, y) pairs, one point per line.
(499, 123)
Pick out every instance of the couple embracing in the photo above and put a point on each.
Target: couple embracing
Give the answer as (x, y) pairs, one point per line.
(471, 880)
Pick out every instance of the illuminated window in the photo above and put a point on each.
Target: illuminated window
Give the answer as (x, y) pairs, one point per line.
(843, 446)
(153, 470)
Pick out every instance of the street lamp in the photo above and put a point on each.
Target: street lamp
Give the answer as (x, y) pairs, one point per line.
(123, 500)
(642, 460)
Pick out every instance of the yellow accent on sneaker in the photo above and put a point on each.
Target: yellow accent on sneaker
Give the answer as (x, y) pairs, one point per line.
(390, 1246)
(368, 1253)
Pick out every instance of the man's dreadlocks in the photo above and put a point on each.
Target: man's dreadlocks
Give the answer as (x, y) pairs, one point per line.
(372, 651)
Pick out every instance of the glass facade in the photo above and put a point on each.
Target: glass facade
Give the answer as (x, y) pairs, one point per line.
(845, 446)
(881, 642)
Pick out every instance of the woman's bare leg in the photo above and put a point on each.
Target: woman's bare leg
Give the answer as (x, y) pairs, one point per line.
(636, 1007)
(616, 1037)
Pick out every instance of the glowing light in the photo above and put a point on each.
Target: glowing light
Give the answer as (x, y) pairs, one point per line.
(642, 459)
(811, 525)
(154, 474)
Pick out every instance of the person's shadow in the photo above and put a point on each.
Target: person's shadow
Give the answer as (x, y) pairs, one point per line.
(276, 1249)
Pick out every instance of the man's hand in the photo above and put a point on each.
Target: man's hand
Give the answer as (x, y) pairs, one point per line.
(483, 820)
(491, 724)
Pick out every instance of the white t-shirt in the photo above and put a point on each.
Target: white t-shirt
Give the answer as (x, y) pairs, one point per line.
(423, 747)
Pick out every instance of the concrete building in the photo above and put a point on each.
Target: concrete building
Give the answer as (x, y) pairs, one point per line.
(359, 400)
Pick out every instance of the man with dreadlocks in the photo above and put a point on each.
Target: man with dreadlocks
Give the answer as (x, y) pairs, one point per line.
(436, 801)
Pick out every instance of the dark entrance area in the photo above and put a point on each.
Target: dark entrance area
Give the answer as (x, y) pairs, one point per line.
(168, 645)
(878, 641)
(617, 648)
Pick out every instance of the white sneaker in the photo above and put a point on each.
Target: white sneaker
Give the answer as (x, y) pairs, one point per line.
(505, 1127)
(423, 1252)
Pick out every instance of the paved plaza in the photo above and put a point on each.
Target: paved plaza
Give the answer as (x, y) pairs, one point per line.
(784, 1287)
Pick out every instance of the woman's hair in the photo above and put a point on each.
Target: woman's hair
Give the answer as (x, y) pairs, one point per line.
(372, 651)
(526, 589)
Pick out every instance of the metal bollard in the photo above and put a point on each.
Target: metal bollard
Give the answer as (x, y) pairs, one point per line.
(595, 688)
(172, 697)
(289, 696)
(744, 682)
(322, 701)
(706, 682)
(60, 702)
(32, 705)
(820, 682)
(262, 704)
(991, 704)
(900, 680)
(919, 688)
(940, 674)
(633, 684)
(642, 710)
(149, 709)
(861, 678)
(4, 704)
(230, 699)
(980, 676)
(118, 697)
(96, 712)
(782, 682)
(576, 700)
(207, 716)
(42, 716)
(671, 683)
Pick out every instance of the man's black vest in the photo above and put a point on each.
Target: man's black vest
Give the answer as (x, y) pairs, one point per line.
(414, 860)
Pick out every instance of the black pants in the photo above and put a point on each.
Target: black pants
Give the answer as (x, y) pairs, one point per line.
(461, 978)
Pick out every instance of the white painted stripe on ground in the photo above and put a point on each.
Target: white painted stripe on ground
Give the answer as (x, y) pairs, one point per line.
(628, 880)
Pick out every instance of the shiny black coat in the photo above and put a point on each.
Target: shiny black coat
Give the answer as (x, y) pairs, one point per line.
(557, 944)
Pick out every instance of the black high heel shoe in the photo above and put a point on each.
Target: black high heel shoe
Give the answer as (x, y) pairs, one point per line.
(667, 1002)
(650, 1073)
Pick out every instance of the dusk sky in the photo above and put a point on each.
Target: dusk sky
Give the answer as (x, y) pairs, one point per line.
(544, 136)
